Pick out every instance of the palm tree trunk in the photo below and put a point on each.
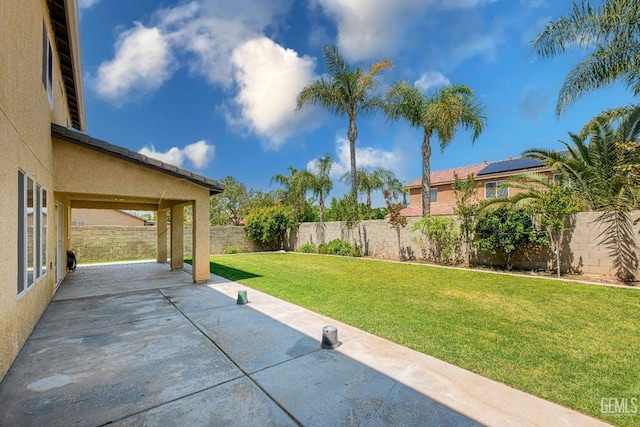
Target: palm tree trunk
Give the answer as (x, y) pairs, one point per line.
(368, 204)
(352, 135)
(426, 174)
(321, 203)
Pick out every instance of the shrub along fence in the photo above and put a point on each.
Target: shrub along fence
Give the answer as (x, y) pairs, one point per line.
(581, 251)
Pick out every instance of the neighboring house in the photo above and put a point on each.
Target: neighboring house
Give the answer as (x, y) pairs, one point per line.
(48, 169)
(488, 177)
(88, 217)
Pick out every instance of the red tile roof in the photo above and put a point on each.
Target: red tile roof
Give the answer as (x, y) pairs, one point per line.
(435, 210)
(448, 175)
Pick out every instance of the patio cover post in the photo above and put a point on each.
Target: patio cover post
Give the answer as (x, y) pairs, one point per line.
(161, 236)
(201, 238)
(177, 237)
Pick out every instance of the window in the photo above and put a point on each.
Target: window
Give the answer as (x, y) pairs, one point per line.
(47, 64)
(433, 195)
(78, 223)
(32, 231)
(495, 189)
(43, 230)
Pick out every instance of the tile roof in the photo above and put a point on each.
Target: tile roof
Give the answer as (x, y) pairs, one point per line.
(447, 175)
(435, 210)
(122, 153)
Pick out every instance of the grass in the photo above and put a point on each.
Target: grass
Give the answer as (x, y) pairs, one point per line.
(571, 343)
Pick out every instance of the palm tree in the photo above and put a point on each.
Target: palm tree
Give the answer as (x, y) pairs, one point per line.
(370, 181)
(613, 29)
(347, 92)
(442, 113)
(293, 192)
(319, 183)
(596, 165)
(553, 202)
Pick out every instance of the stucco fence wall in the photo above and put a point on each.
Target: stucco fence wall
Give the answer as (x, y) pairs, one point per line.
(581, 252)
(121, 243)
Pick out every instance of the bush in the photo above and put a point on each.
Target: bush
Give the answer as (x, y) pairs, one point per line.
(339, 247)
(307, 248)
(506, 232)
(438, 238)
(234, 250)
(270, 225)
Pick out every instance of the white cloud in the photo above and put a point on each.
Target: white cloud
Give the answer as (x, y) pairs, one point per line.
(87, 4)
(269, 78)
(143, 61)
(431, 79)
(466, 4)
(367, 28)
(199, 153)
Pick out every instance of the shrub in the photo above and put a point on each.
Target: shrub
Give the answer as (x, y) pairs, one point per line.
(307, 248)
(270, 225)
(234, 250)
(339, 247)
(438, 238)
(506, 232)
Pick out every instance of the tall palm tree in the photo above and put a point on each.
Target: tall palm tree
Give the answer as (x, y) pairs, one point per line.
(293, 190)
(596, 164)
(347, 92)
(442, 113)
(613, 30)
(319, 183)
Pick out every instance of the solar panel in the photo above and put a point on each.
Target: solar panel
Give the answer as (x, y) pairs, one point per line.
(510, 165)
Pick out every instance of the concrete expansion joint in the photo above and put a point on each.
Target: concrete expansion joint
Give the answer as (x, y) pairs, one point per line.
(244, 372)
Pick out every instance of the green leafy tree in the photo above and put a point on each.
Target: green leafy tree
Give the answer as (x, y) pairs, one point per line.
(595, 164)
(612, 31)
(506, 232)
(438, 238)
(551, 202)
(466, 195)
(396, 220)
(320, 182)
(443, 113)
(346, 92)
(270, 226)
(342, 210)
(230, 206)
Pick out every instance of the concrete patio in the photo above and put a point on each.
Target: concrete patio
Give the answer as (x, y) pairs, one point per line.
(137, 344)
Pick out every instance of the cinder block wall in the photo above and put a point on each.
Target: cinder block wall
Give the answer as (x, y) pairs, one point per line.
(581, 251)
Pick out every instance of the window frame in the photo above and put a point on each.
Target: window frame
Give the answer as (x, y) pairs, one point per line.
(496, 185)
(32, 245)
(47, 64)
(433, 191)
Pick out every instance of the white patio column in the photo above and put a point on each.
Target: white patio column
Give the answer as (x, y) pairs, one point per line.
(177, 240)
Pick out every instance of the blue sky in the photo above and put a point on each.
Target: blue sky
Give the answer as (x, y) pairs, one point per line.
(210, 85)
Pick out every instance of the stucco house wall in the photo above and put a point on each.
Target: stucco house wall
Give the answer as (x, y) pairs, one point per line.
(25, 139)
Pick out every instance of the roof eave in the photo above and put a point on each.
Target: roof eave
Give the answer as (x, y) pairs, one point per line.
(122, 153)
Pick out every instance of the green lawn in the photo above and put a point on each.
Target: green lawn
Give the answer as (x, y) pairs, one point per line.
(570, 343)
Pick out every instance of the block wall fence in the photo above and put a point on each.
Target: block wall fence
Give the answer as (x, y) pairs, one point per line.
(581, 251)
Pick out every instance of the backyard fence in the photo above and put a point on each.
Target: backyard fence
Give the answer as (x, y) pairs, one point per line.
(582, 250)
